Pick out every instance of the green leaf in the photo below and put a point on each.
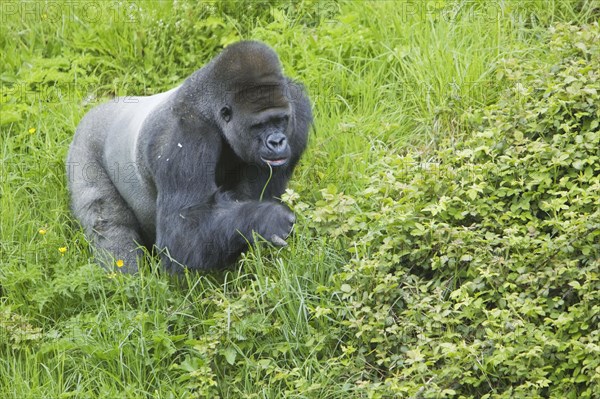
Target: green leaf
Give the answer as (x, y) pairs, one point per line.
(230, 354)
(346, 288)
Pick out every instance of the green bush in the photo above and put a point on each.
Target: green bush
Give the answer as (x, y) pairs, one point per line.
(475, 272)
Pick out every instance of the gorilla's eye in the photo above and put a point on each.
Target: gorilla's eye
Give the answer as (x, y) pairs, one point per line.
(226, 113)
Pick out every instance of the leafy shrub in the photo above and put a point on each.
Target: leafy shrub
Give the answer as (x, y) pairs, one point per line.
(474, 273)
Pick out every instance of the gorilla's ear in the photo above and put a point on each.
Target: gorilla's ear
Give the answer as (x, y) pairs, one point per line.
(226, 113)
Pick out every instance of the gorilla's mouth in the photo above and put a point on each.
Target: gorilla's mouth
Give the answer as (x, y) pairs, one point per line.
(275, 162)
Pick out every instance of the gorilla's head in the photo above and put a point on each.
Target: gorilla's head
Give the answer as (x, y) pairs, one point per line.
(253, 111)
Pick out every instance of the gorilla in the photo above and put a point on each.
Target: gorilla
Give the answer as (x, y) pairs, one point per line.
(195, 171)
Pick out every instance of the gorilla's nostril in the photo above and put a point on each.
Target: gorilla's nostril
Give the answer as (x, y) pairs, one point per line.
(276, 142)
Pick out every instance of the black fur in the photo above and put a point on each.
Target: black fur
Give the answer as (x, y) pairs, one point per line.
(185, 169)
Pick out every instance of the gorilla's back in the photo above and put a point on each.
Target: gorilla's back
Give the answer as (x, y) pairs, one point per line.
(133, 181)
(116, 127)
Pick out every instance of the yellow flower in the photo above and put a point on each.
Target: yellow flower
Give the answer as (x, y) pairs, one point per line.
(111, 275)
(120, 263)
(62, 250)
(32, 130)
(42, 231)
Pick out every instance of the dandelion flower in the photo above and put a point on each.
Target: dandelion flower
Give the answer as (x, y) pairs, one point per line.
(31, 130)
(42, 231)
(120, 263)
(62, 250)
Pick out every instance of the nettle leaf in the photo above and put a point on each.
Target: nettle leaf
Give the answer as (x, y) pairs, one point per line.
(230, 354)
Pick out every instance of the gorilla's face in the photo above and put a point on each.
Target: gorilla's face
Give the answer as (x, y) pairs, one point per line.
(257, 130)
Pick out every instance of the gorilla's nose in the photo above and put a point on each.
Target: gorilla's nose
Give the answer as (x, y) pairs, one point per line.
(277, 142)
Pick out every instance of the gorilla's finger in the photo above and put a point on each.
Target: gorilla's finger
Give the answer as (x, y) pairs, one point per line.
(292, 218)
(278, 241)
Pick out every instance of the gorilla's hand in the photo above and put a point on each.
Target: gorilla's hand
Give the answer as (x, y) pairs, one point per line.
(274, 222)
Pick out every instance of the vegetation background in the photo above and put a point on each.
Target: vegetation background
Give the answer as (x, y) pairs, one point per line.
(448, 234)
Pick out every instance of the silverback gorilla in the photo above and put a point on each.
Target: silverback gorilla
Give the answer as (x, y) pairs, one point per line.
(195, 170)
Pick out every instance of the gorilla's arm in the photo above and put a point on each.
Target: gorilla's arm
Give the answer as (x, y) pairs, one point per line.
(212, 234)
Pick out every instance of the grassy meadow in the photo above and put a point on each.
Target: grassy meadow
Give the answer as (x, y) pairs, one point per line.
(447, 242)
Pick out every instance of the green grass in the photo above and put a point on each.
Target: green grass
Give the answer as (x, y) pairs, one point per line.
(385, 78)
